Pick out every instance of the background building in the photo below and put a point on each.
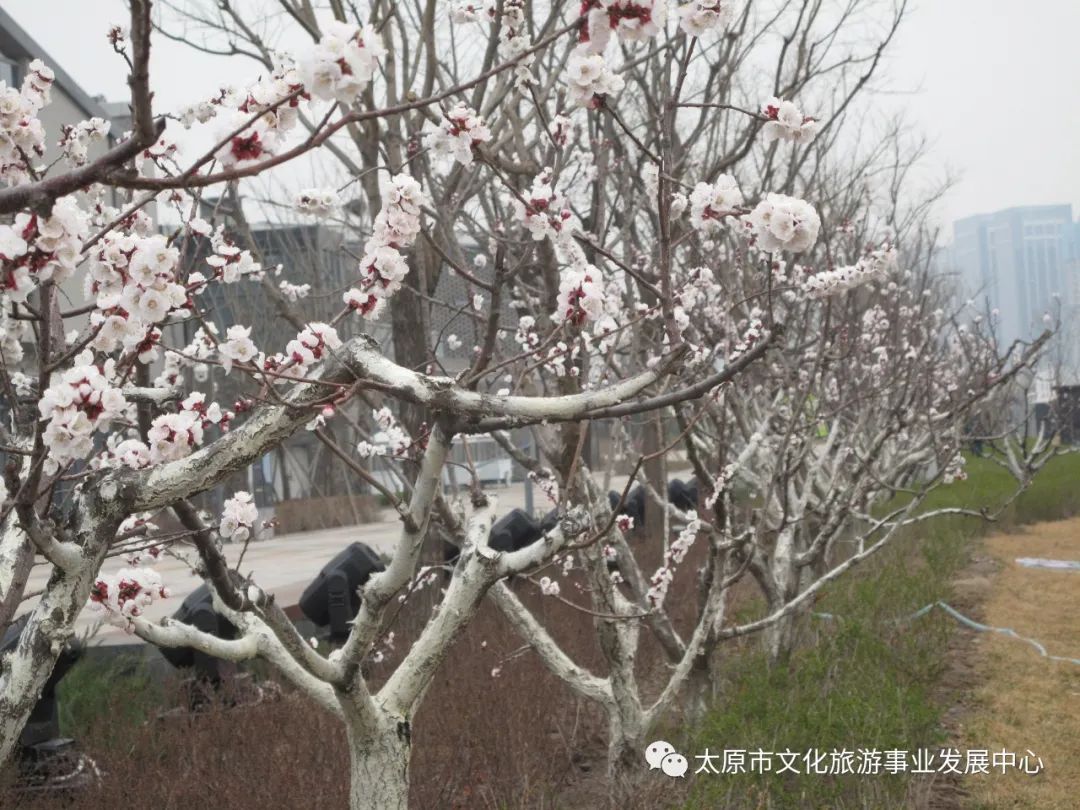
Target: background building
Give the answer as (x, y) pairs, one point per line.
(1015, 261)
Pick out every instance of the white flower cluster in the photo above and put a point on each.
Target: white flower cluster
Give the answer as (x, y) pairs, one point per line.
(42, 249)
(526, 335)
(133, 281)
(629, 20)
(544, 211)
(787, 123)
(173, 436)
(251, 123)
(676, 552)
(873, 266)
(780, 222)
(294, 292)
(80, 403)
(383, 268)
(238, 516)
(954, 470)
(126, 594)
(460, 131)
(703, 16)
(514, 41)
(469, 11)
(310, 346)
(344, 61)
(390, 440)
(711, 202)
(230, 263)
(590, 78)
(238, 347)
(22, 137)
(581, 295)
(318, 202)
(75, 140)
(549, 587)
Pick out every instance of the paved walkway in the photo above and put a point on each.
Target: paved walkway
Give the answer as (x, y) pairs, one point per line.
(283, 565)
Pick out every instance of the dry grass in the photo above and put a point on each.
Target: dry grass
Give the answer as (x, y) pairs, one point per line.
(521, 740)
(1024, 701)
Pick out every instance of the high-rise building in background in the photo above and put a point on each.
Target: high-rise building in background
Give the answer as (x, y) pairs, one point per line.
(1022, 262)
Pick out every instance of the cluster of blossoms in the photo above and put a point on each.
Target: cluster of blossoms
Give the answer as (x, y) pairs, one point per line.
(75, 140)
(294, 292)
(711, 202)
(591, 79)
(676, 552)
(173, 436)
(390, 440)
(582, 295)
(383, 268)
(132, 278)
(22, 136)
(126, 594)
(470, 11)
(238, 347)
(780, 222)
(310, 346)
(230, 263)
(954, 470)
(873, 266)
(629, 20)
(701, 17)
(318, 202)
(787, 123)
(526, 335)
(35, 248)
(238, 516)
(460, 131)
(81, 402)
(514, 41)
(549, 587)
(544, 211)
(340, 67)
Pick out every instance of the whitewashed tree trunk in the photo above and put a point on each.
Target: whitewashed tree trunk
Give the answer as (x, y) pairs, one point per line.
(25, 670)
(379, 764)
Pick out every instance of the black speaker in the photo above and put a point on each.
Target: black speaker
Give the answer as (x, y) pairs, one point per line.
(682, 496)
(332, 597)
(197, 610)
(513, 531)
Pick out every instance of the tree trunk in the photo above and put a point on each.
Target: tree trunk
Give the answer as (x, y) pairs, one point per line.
(626, 751)
(780, 639)
(379, 768)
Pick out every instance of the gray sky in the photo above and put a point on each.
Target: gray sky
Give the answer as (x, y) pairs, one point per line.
(993, 83)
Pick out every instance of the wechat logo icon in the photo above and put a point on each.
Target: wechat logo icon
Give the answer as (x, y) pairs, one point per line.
(663, 756)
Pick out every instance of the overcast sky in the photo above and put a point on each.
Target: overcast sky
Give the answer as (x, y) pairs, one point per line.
(993, 83)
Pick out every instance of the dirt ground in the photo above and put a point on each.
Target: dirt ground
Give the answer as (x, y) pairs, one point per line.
(1019, 700)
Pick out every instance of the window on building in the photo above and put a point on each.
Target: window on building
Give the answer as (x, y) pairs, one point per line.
(9, 72)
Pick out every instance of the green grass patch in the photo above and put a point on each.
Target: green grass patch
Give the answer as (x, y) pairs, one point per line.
(867, 678)
(121, 687)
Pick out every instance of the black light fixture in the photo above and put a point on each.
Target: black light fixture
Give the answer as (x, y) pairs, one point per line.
(514, 531)
(197, 610)
(683, 496)
(333, 597)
